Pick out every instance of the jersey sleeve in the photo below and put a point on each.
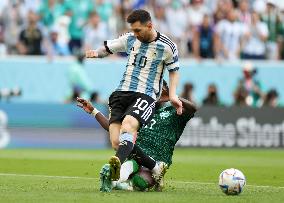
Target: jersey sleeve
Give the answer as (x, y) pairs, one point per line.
(185, 117)
(171, 61)
(117, 45)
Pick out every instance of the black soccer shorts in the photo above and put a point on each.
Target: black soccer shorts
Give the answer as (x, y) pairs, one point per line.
(138, 105)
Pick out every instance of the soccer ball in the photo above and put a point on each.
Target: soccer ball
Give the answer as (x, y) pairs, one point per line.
(232, 181)
(143, 179)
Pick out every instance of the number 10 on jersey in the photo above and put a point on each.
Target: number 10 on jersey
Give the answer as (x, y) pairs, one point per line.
(139, 60)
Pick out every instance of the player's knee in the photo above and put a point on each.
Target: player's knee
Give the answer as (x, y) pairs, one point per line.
(126, 128)
(130, 125)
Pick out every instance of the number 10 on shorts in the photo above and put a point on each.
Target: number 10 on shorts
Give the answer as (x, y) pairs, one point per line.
(141, 104)
(145, 107)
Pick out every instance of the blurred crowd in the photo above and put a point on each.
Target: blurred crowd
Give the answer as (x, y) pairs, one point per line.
(248, 92)
(220, 29)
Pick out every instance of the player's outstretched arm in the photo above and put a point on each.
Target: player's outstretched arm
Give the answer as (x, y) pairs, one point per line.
(88, 107)
(173, 76)
(188, 106)
(110, 47)
(98, 53)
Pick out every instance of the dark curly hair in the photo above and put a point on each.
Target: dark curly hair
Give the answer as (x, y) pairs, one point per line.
(139, 15)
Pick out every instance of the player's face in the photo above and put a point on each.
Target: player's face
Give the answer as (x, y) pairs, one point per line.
(142, 31)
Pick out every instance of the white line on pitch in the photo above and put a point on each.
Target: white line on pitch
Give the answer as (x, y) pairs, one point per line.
(47, 176)
(207, 183)
(89, 178)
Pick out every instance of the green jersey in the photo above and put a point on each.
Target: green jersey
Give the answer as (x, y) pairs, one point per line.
(50, 15)
(159, 137)
(80, 11)
(273, 24)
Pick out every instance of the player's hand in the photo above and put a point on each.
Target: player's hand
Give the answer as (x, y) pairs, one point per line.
(84, 104)
(177, 104)
(91, 54)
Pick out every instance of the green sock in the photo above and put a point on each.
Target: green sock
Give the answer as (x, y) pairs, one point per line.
(139, 183)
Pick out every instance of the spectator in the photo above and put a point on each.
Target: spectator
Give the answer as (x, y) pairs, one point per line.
(271, 18)
(187, 92)
(228, 37)
(95, 32)
(222, 10)
(3, 48)
(13, 19)
(271, 98)
(80, 11)
(281, 38)
(212, 98)
(178, 22)
(211, 5)
(53, 46)
(61, 25)
(254, 39)
(3, 5)
(240, 96)
(104, 9)
(244, 14)
(202, 42)
(50, 11)
(31, 37)
(33, 5)
(249, 86)
(95, 98)
(196, 12)
(160, 20)
(259, 6)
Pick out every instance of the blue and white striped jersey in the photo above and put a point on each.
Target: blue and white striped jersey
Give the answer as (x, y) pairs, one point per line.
(146, 62)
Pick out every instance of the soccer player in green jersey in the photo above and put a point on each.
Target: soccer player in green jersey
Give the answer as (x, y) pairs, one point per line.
(157, 139)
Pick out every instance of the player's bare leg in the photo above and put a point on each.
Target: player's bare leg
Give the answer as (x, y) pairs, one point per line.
(114, 131)
(114, 162)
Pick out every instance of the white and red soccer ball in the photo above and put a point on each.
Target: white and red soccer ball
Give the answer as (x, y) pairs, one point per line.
(232, 181)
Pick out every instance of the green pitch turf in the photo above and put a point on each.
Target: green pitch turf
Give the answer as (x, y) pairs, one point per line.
(72, 176)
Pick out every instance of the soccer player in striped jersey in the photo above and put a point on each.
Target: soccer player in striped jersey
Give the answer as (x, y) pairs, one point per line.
(132, 104)
(157, 139)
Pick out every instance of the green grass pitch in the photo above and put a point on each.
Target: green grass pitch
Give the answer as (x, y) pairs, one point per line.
(30, 175)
